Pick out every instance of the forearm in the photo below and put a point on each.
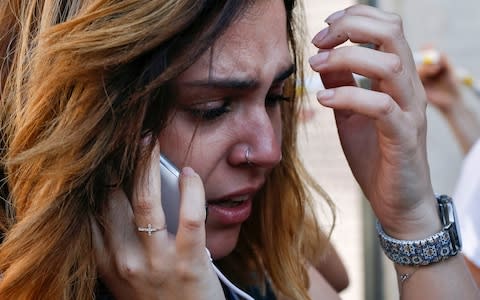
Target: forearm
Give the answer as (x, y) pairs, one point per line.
(445, 280)
(330, 265)
(474, 270)
(431, 272)
(464, 124)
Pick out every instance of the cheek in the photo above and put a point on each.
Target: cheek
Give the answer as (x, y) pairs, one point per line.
(198, 147)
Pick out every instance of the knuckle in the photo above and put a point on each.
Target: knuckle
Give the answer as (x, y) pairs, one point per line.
(394, 64)
(127, 269)
(191, 224)
(386, 106)
(355, 8)
(142, 206)
(396, 19)
(396, 26)
(185, 271)
(132, 269)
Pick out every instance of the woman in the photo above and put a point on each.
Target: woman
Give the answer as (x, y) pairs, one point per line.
(93, 91)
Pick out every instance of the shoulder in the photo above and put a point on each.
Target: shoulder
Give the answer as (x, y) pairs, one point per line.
(319, 286)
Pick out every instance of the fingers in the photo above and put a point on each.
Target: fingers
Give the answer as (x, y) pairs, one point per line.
(374, 64)
(363, 10)
(331, 79)
(436, 70)
(146, 204)
(191, 230)
(429, 71)
(390, 63)
(379, 107)
(363, 24)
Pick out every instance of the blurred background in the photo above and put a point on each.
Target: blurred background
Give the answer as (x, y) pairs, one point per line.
(451, 27)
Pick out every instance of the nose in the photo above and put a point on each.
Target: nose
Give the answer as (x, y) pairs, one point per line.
(260, 140)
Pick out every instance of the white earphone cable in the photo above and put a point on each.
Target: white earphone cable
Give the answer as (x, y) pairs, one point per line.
(227, 282)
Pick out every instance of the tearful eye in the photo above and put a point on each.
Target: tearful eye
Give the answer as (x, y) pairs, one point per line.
(210, 111)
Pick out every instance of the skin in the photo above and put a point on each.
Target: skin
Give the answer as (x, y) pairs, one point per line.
(258, 57)
(180, 270)
(386, 123)
(474, 269)
(444, 93)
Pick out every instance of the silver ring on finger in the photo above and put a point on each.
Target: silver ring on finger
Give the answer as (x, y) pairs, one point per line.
(149, 229)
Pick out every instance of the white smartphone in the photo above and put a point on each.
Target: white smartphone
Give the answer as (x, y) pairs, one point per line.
(170, 194)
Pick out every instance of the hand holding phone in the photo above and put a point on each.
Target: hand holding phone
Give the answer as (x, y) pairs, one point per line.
(171, 208)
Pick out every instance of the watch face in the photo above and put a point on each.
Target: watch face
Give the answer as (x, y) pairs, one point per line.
(449, 219)
(452, 215)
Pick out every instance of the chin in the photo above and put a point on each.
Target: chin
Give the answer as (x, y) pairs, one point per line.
(221, 242)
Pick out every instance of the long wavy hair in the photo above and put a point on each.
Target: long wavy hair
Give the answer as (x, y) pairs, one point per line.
(82, 82)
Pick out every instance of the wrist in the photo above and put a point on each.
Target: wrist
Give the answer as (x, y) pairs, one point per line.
(421, 223)
(429, 249)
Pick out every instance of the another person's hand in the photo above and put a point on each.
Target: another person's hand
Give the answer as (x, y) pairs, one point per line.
(382, 130)
(443, 91)
(440, 82)
(138, 265)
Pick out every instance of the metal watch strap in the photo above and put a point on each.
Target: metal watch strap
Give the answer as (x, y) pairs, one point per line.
(437, 247)
(423, 252)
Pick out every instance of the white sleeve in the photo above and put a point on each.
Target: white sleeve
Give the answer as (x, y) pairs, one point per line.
(467, 202)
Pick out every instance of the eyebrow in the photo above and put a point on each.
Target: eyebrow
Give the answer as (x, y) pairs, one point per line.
(240, 83)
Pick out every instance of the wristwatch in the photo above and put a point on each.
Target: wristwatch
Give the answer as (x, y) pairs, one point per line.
(437, 247)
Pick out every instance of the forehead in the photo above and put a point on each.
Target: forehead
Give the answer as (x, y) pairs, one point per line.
(254, 46)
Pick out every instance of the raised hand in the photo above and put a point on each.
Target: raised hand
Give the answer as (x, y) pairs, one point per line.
(382, 130)
(138, 259)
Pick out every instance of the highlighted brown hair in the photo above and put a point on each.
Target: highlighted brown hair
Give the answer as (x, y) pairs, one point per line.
(82, 82)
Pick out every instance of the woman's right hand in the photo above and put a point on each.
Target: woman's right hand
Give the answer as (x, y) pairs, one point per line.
(136, 265)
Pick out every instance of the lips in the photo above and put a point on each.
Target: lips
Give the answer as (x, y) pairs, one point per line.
(231, 210)
(231, 202)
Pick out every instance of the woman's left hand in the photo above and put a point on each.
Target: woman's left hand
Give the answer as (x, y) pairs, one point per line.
(382, 129)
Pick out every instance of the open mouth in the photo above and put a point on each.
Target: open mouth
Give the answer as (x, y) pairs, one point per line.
(231, 202)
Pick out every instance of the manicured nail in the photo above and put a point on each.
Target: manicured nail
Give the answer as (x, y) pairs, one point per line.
(335, 16)
(320, 35)
(319, 58)
(324, 95)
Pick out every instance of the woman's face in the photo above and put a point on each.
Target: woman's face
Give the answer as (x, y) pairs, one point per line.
(228, 101)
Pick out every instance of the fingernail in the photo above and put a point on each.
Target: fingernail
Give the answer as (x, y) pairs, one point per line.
(319, 58)
(187, 171)
(320, 35)
(324, 95)
(335, 16)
